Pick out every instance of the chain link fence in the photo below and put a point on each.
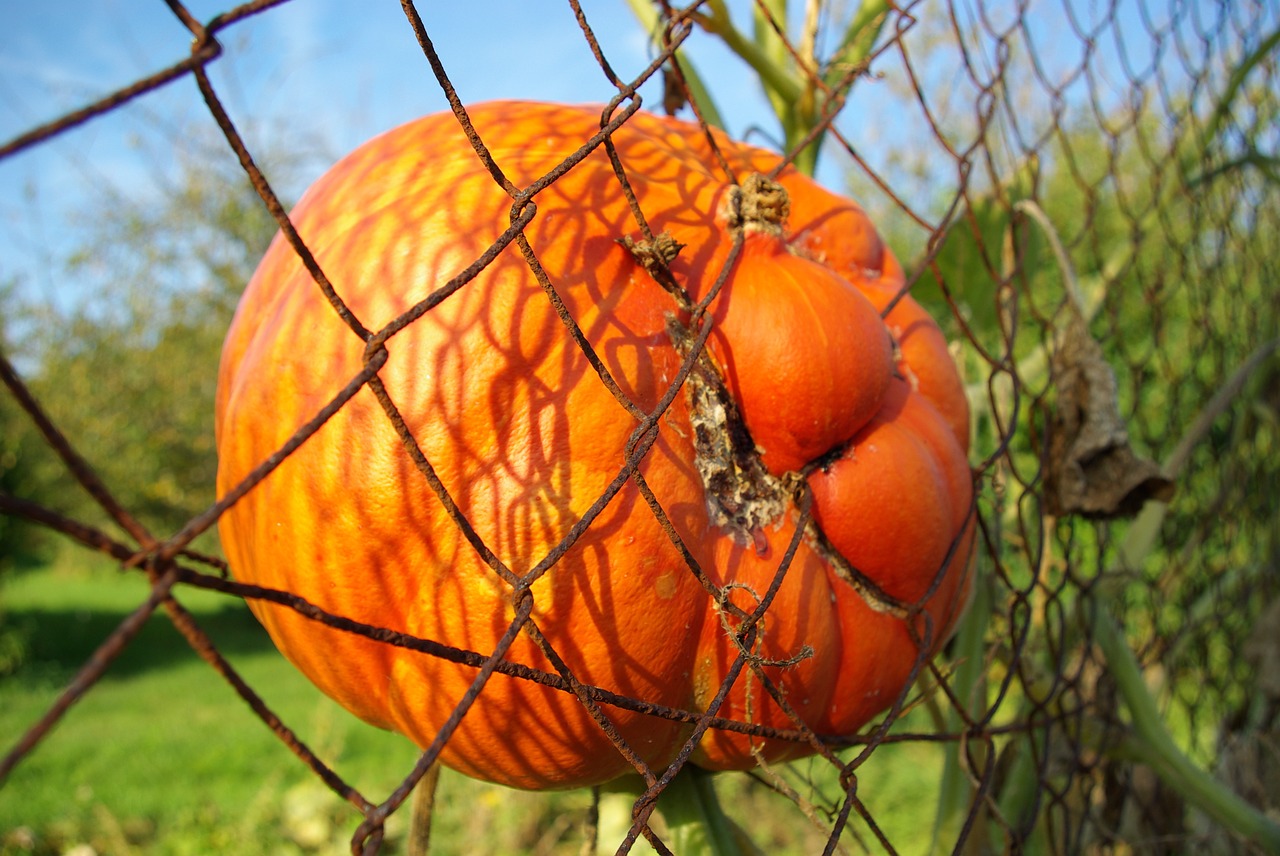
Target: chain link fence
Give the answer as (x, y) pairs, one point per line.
(1084, 195)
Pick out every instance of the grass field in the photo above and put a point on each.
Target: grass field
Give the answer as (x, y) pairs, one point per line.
(163, 757)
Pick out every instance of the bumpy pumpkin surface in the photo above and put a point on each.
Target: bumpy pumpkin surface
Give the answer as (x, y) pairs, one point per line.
(524, 435)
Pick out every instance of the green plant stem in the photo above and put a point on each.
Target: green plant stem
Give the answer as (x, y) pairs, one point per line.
(1150, 741)
(859, 38)
(855, 49)
(956, 791)
(1141, 536)
(805, 160)
(1238, 75)
(767, 38)
(647, 14)
(696, 822)
(1017, 799)
(699, 94)
(695, 818)
(776, 80)
(793, 83)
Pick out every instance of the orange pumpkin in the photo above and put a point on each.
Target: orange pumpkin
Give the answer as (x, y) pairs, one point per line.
(524, 435)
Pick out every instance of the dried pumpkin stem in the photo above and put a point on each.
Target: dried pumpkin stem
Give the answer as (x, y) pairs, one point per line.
(418, 842)
(744, 496)
(758, 204)
(655, 257)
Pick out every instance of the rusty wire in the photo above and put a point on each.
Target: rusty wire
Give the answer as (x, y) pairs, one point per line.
(1014, 113)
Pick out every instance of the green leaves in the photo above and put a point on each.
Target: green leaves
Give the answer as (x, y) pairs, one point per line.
(805, 91)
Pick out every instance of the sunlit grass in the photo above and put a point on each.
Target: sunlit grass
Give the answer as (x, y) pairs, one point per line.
(162, 750)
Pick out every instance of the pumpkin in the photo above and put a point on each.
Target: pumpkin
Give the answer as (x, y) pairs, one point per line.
(802, 389)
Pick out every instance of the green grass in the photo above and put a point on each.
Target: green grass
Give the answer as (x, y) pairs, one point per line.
(161, 744)
(162, 756)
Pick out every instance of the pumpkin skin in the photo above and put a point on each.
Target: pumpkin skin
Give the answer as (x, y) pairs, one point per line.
(524, 436)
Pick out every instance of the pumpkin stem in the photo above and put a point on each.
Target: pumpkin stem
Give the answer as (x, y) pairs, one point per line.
(697, 822)
(759, 204)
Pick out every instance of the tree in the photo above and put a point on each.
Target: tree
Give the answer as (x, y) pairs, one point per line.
(130, 376)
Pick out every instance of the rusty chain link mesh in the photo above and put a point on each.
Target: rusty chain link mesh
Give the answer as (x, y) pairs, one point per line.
(1112, 163)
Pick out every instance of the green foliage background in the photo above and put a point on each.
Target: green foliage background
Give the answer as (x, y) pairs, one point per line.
(131, 376)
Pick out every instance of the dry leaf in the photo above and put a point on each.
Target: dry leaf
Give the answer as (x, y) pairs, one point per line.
(1092, 470)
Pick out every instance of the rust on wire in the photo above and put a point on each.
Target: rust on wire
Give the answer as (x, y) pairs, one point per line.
(584, 697)
(162, 582)
(207, 651)
(105, 105)
(606, 121)
(455, 102)
(272, 201)
(451, 287)
(1127, 162)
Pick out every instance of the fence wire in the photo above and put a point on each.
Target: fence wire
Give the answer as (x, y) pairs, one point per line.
(1074, 189)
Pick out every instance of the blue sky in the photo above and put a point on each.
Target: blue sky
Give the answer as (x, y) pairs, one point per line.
(310, 69)
(340, 71)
